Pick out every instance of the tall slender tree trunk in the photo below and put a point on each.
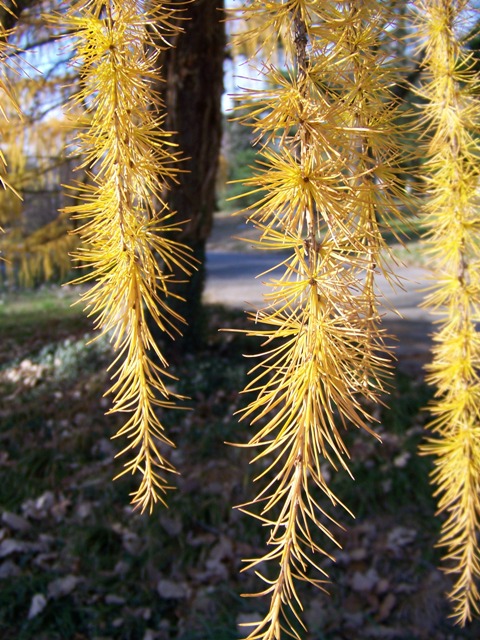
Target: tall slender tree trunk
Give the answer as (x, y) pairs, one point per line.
(193, 70)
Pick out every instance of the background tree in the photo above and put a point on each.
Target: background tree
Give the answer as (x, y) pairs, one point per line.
(192, 95)
(36, 144)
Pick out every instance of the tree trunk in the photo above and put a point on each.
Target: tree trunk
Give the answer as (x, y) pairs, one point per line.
(193, 70)
(10, 12)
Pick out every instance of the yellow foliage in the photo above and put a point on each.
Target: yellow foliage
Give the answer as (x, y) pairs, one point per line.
(7, 103)
(452, 113)
(328, 185)
(126, 234)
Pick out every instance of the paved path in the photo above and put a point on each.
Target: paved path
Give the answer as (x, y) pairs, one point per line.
(233, 279)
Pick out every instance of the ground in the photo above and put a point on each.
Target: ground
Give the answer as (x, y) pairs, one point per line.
(76, 562)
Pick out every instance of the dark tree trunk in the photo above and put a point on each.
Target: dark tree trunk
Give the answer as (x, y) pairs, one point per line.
(10, 12)
(193, 70)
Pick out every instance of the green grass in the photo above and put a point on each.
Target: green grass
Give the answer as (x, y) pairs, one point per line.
(30, 320)
(34, 307)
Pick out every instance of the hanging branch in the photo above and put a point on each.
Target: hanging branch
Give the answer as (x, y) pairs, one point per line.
(452, 113)
(127, 244)
(324, 363)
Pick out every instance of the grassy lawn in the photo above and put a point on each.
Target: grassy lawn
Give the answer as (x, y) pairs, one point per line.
(30, 321)
(77, 563)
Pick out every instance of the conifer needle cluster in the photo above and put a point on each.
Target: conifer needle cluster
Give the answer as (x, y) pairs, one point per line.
(127, 229)
(452, 115)
(328, 182)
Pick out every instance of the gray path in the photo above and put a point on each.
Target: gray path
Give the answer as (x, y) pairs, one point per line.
(233, 280)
